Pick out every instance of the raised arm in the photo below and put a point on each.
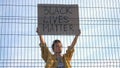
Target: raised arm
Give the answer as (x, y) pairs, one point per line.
(45, 53)
(40, 37)
(70, 50)
(75, 39)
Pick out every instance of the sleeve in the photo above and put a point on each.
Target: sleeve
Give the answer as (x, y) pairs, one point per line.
(69, 53)
(45, 52)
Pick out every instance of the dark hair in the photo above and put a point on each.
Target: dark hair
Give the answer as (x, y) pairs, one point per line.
(55, 41)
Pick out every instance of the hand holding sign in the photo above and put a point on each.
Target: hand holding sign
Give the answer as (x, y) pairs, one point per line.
(79, 33)
(38, 30)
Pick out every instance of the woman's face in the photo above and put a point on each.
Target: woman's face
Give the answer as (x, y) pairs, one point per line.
(58, 47)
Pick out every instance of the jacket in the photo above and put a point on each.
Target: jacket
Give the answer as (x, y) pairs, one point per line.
(50, 59)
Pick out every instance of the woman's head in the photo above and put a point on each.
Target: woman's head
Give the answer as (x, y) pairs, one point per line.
(57, 46)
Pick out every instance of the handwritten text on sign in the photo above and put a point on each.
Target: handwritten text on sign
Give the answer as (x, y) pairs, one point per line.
(58, 19)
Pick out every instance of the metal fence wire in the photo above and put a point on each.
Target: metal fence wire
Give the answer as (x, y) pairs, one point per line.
(97, 47)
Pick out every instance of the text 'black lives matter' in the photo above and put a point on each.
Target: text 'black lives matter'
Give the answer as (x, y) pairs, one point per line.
(56, 19)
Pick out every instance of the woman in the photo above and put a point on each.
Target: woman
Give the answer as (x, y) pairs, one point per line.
(56, 60)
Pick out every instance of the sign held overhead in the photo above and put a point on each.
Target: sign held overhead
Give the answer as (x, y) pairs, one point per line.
(56, 19)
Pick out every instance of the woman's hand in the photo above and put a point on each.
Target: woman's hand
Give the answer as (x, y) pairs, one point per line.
(38, 30)
(40, 36)
(79, 33)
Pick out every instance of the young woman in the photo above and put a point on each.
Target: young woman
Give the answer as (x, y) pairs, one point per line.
(56, 60)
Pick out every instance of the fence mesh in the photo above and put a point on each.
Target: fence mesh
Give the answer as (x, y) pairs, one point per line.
(98, 46)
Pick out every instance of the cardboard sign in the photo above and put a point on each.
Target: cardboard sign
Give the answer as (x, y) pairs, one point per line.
(55, 19)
